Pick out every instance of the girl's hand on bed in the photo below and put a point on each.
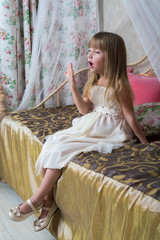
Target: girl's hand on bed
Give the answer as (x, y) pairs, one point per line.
(70, 77)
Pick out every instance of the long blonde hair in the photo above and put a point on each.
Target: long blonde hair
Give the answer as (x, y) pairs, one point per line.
(115, 65)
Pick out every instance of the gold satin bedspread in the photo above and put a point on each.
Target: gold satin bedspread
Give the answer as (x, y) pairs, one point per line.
(100, 196)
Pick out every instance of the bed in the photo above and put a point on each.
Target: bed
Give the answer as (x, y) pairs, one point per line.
(99, 196)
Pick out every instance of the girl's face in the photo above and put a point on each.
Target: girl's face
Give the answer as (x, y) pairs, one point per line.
(96, 60)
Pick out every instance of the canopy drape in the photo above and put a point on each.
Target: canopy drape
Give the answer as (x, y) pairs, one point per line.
(145, 16)
(63, 30)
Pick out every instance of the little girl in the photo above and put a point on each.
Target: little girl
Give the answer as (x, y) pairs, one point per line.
(107, 124)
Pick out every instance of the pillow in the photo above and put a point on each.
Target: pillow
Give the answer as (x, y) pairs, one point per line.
(145, 89)
(130, 69)
(148, 116)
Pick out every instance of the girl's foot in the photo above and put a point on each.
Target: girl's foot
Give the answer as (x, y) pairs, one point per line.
(22, 212)
(48, 210)
(25, 208)
(46, 205)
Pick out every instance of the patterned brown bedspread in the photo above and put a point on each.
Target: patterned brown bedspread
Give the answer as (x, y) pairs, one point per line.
(136, 165)
(44, 122)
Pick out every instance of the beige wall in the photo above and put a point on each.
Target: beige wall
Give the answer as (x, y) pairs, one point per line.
(116, 19)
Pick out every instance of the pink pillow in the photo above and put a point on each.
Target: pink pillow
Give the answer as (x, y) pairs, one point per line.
(130, 69)
(145, 89)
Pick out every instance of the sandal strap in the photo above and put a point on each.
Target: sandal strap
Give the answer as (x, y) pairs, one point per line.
(46, 208)
(31, 206)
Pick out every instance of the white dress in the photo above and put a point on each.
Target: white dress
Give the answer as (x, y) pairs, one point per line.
(103, 130)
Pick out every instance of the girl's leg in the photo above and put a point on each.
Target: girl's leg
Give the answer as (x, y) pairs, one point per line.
(49, 197)
(45, 190)
(48, 200)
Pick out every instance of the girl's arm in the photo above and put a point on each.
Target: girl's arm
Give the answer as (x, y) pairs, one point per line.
(83, 104)
(129, 114)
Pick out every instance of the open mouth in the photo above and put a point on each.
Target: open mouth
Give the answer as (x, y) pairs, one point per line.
(90, 64)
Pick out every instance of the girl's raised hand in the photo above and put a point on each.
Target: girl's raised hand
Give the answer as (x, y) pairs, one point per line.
(70, 76)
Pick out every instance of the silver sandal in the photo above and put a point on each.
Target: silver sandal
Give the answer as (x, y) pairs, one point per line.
(40, 224)
(16, 215)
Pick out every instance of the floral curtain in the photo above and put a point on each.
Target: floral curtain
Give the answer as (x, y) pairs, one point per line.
(17, 21)
(62, 34)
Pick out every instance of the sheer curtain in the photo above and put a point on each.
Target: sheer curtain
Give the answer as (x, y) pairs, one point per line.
(145, 16)
(63, 29)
